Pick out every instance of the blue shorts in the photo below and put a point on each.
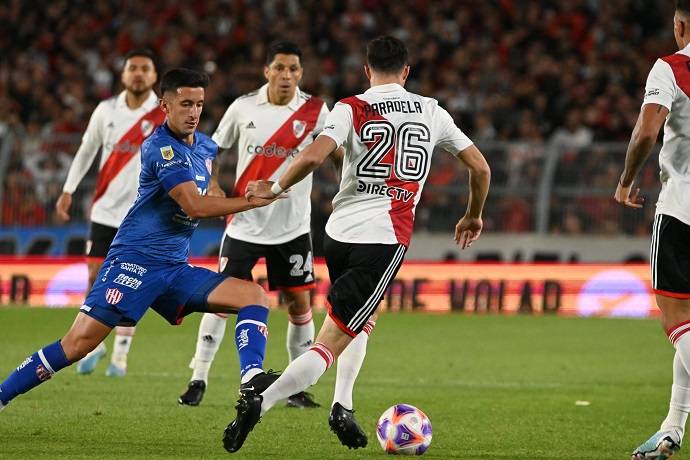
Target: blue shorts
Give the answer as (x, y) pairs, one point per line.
(127, 286)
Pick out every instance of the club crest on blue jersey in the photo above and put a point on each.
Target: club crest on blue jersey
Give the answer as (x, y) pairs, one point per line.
(113, 296)
(167, 152)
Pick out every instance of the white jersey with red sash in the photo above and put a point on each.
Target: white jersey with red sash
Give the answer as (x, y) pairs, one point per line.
(389, 136)
(266, 138)
(668, 84)
(118, 132)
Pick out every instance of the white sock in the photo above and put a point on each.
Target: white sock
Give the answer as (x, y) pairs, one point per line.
(349, 363)
(300, 374)
(211, 333)
(121, 346)
(680, 391)
(300, 334)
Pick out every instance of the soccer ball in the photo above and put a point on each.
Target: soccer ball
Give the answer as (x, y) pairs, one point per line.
(403, 429)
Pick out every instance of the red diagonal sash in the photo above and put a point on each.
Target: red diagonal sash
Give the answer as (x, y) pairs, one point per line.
(261, 166)
(124, 150)
(680, 64)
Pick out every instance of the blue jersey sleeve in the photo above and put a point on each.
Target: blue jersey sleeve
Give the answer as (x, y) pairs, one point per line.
(171, 168)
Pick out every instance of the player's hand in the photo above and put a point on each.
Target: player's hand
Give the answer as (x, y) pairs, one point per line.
(259, 189)
(62, 206)
(259, 202)
(467, 231)
(628, 196)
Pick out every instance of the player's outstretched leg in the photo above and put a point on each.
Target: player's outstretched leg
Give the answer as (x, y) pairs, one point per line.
(209, 338)
(342, 419)
(82, 337)
(251, 330)
(298, 376)
(121, 345)
(300, 337)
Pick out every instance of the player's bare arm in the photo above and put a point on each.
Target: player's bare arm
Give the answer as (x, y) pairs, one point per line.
(469, 227)
(337, 157)
(652, 117)
(198, 206)
(214, 188)
(62, 206)
(304, 164)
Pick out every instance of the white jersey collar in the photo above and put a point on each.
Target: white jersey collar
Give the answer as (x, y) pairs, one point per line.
(121, 101)
(262, 97)
(387, 88)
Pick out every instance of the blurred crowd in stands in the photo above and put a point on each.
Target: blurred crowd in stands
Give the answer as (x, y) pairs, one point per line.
(545, 77)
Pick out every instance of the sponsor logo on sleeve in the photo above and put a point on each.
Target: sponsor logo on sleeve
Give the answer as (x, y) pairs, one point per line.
(209, 165)
(652, 92)
(167, 152)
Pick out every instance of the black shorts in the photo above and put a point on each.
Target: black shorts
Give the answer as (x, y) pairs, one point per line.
(100, 238)
(360, 275)
(289, 266)
(670, 257)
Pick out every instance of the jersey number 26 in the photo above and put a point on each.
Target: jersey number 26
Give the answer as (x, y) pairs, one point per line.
(410, 160)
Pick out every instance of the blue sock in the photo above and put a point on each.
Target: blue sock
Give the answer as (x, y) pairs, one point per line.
(35, 370)
(251, 333)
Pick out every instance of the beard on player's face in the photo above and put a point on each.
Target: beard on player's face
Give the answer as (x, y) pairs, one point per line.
(138, 88)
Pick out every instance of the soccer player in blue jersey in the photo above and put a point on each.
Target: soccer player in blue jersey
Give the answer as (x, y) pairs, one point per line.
(147, 261)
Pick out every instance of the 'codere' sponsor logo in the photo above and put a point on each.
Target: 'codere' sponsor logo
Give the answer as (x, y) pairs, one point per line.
(273, 150)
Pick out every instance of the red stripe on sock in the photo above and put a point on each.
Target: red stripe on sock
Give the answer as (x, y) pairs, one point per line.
(325, 353)
(300, 320)
(675, 340)
(677, 331)
(670, 330)
(369, 327)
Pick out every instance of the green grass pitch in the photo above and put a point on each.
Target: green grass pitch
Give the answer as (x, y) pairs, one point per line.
(494, 387)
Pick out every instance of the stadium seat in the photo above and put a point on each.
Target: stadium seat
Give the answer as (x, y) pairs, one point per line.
(488, 256)
(8, 246)
(40, 246)
(543, 256)
(75, 246)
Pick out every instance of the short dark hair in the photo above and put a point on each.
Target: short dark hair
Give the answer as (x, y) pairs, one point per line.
(386, 54)
(683, 6)
(282, 47)
(182, 78)
(140, 52)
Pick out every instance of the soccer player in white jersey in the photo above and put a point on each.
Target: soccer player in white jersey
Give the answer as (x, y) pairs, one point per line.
(266, 129)
(117, 128)
(389, 136)
(667, 102)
